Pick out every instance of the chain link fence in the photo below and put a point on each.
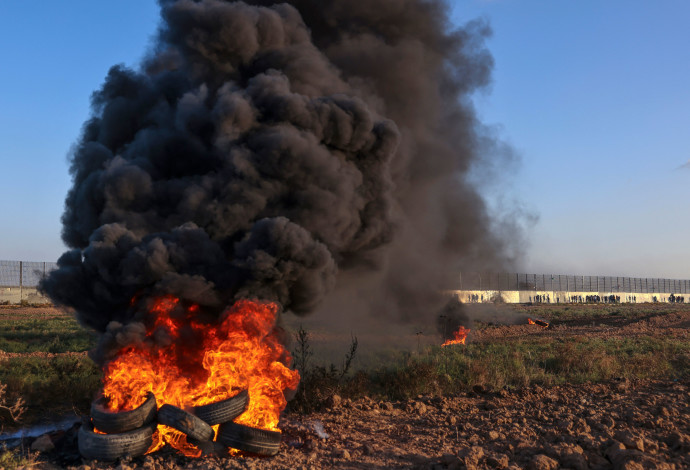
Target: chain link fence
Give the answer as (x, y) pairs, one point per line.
(570, 283)
(23, 273)
(19, 281)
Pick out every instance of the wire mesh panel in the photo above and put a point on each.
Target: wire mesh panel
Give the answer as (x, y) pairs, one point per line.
(9, 273)
(471, 281)
(23, 273)
(480, 281)
(512, 282)
(589, 286)
(494, 281)
(33, 272)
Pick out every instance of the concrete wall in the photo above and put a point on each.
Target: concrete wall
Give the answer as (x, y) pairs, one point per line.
(14, 295)
(523, 297)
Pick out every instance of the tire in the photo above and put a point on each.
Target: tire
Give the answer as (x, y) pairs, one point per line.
(112, 446)
(189, 424)
(114, 423)
(248, 439)
(223, 411)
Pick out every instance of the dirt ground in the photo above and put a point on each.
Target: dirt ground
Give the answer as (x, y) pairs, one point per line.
(669, 324)
(620, 425)
(623, 424)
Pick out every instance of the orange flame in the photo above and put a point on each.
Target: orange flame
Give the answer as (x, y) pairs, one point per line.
(204, 363)
(541, 323)
(459, 337)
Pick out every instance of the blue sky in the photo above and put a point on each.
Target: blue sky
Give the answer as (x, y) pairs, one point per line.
(593, 96)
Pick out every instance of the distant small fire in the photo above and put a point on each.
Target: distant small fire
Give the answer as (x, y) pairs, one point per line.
(459, 337)
(205, 363)
(541, 323)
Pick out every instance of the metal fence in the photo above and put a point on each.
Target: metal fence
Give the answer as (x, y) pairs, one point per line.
(28, 273)
(570, 283)
(23, 273)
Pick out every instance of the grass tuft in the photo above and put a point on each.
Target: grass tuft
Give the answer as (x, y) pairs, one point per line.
(50, 385)
(15, 459)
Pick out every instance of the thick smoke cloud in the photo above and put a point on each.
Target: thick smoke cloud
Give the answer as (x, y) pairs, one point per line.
(264, 149)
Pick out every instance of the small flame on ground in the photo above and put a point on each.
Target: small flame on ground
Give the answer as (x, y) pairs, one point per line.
(459, 337)
(541, 323)
(204, 363)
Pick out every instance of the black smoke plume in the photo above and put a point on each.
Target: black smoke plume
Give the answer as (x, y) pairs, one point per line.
(267, 149)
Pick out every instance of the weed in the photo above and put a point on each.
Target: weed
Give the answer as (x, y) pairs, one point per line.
(303, 353)
(15, 459)
(317, 383)
(10, 410)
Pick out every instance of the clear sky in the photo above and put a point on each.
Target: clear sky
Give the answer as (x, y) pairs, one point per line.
(593, 96)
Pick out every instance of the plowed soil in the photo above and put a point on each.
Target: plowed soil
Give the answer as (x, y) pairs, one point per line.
(620, 425)
(673, 324)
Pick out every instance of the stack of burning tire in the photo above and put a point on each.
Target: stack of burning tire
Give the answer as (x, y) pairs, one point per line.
(112, 435)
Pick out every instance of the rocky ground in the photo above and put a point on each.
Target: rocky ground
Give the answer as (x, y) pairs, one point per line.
(620, 425)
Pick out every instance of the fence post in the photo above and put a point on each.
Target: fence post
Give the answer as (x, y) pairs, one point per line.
(21, 283)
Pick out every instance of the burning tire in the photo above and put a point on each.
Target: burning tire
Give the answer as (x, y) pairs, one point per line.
(189, 424)
(114, 422)
(223, 411)
(248, 439)
(113, 446)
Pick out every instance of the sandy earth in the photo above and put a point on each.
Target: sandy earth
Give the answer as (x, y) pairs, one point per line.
(618, 425)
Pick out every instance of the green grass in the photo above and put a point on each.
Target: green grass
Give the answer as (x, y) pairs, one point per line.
(51, 334)
(60, 384)
(520, 363)
(50, 386)
(568, 312)
(574, 361)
